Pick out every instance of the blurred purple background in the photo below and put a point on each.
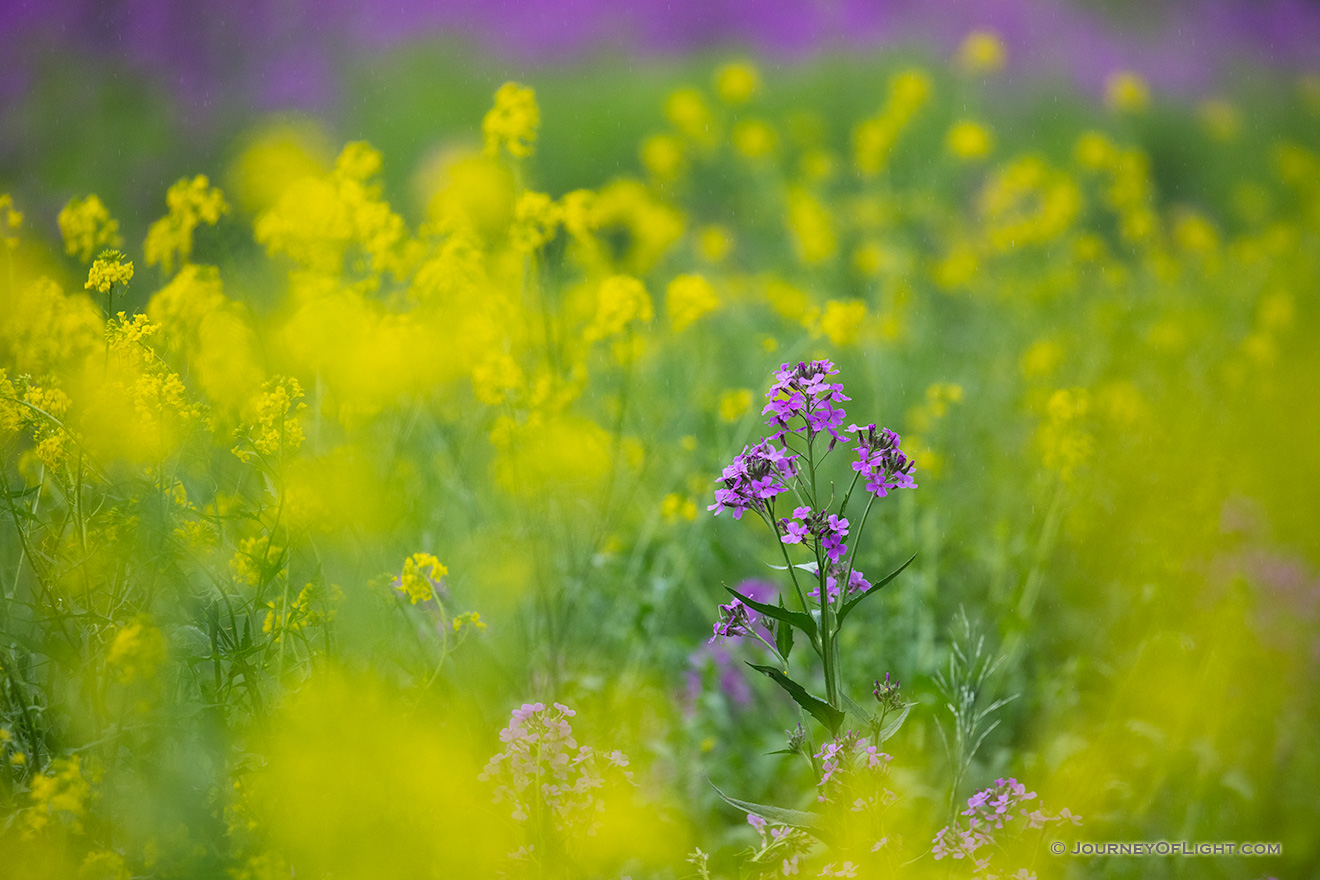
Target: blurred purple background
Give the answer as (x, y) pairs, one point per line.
(290, 54)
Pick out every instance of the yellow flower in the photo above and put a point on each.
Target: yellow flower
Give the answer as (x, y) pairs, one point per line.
(662, 156)
(469, 620)
(754, 139)
(811, 226)
(110, 269)
(87, 227)
(190, 202)
(620, 300)
(687, 111)
(677, 507)
(420, 577)
(495, 379)
(734, 404)
(1127, 92)
(714, 243)
(969, 140)
(737, 82)
(687, 299)
(981, 52)
(535, 219)
(136, 651)
(63, 793)
(512, 122)
(275, 429)
(842, 321)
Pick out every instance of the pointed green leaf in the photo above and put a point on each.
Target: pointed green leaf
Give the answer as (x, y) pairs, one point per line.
(892, 727)
(784, 638)
(805, 566)
(809, 822)
(819, 709)
(865, 719)
(875, 588)
(802, 621)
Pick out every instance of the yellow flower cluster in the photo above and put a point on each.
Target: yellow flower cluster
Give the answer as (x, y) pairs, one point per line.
(981, 52)
(512, 123)
(135, 652)
(275, 431)
(110, 268)
(420, 577)
(10, 220)
(60, 795)
(1065, 441)
(87, 227)
(621, 301)
(191, 203)
(874, 138)
(688, 298)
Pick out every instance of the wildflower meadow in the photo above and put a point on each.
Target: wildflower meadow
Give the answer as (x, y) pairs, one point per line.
(874, 465)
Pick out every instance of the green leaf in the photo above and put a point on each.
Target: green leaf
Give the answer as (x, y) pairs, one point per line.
(784, 639)
(875, 588)
(866, 720)
(802, 621)
(892, 727)
(811, 823)
(805, 566)
(819, 709)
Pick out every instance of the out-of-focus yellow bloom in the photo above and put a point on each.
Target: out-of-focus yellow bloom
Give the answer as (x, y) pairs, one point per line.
(981, 52)
(10, 220)
(420, 577)
(1195, 234)
(714, 243)
(190, 202)
(1127, 92)
(677, 507)
(754, 139)
(841, 322)
(687, 111)
(958, 267)
(467, 621)
(1064, 440)
(734, 404)
(969, 140)
(136, 651)
(620, 301)
(688, 298)
(60, 795)
(110, 268)
(737, 82)
(275, 430)
(512, 122)
(536, 216)
(496, 378)
(1095, 152)
(662, 156)
(1028, 202)
(87, 227)
(631, 229)
(1220, 118)
(1041, 359)
(811, 227)
(275, 156)
(874, 139)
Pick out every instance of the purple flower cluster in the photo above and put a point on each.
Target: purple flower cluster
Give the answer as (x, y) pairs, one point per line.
(880, 460)
(756, 475)
(857, 583)
(736, 619)
(804, 392)
(543, 762)
(850, 768)
(988, 811)
(807, 523)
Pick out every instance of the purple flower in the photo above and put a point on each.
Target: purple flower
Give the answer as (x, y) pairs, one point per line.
(804, 392)
(881, 461)
(736, 619)
(754, 477)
